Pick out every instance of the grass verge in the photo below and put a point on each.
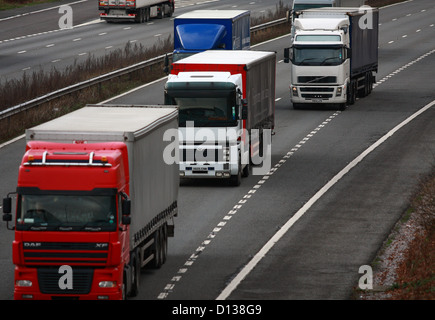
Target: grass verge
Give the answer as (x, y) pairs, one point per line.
(13, 4)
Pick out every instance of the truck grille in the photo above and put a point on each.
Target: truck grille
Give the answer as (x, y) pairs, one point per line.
(88, 253)
(317, 79)
(316, 95)
(316, 89)
(203, 154)
(48, 279)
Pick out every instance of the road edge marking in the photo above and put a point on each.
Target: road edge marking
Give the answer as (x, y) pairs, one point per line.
(283, 230)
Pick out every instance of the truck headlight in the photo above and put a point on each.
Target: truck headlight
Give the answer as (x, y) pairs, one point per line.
(107, 284)
(294, 91)
(339, 91)
(23, 283)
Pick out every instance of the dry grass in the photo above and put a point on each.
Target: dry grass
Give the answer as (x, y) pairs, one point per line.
(415, 275)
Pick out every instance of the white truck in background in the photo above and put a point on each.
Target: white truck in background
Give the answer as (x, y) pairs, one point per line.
(135, 10)
(334, 55)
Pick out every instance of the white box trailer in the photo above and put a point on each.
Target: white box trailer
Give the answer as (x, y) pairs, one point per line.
(135, 10)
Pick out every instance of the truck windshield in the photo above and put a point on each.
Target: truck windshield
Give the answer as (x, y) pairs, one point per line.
(66, 212)
(206, 111)
(318, 56)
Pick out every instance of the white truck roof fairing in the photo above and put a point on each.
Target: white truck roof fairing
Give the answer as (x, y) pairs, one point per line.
(321, 23)
(207, 76)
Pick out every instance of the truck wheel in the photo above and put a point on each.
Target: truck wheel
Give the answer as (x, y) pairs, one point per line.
(138, 18)
(351, 93)
(135, 272)
(246, 170)
(371, 80)
(157, 250)
(147, 14)
(236, 179)
(165, 243)
(123, 288)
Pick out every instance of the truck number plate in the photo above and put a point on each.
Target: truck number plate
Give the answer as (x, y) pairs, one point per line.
(317, 100)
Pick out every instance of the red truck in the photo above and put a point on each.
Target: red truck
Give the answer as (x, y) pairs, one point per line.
(95, 202)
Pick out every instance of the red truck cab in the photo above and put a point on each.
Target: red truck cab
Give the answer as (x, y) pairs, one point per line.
(72, 221)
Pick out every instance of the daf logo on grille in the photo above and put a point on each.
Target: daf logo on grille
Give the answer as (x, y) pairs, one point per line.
(32, 244)
(101, 245)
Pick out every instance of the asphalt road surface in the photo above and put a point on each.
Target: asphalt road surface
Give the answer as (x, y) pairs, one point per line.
(339, 182)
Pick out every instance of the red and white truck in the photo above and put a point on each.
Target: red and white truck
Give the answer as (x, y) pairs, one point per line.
(135, 10)
(226, 101)
(95, 202)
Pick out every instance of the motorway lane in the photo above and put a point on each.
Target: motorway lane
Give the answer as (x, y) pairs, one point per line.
(28, 43)
(320, 256)
(331, 148)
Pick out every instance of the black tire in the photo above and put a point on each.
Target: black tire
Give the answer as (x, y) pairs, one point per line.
(147, 14)
(351, 93)
(236, 180)
(371, 80)
(136, 266)
(157, 250)
(164, 243)
(246, 171)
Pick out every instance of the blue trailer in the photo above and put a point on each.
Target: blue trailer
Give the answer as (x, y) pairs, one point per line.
(201, 30)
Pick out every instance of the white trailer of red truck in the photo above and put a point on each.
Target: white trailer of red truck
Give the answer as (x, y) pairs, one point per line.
(94, 194)
(135, 10)
(226, 102)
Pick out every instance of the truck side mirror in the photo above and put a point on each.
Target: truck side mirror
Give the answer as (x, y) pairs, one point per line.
(348, 53)
(126, 211)
(287, 55)
(7, 206)
(126, 207)
(244, 109)
(7, 209)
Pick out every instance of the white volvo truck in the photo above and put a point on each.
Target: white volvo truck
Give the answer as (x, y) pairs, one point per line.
(334, 55)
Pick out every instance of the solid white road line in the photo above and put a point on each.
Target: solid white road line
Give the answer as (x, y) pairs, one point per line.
(269, 245)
